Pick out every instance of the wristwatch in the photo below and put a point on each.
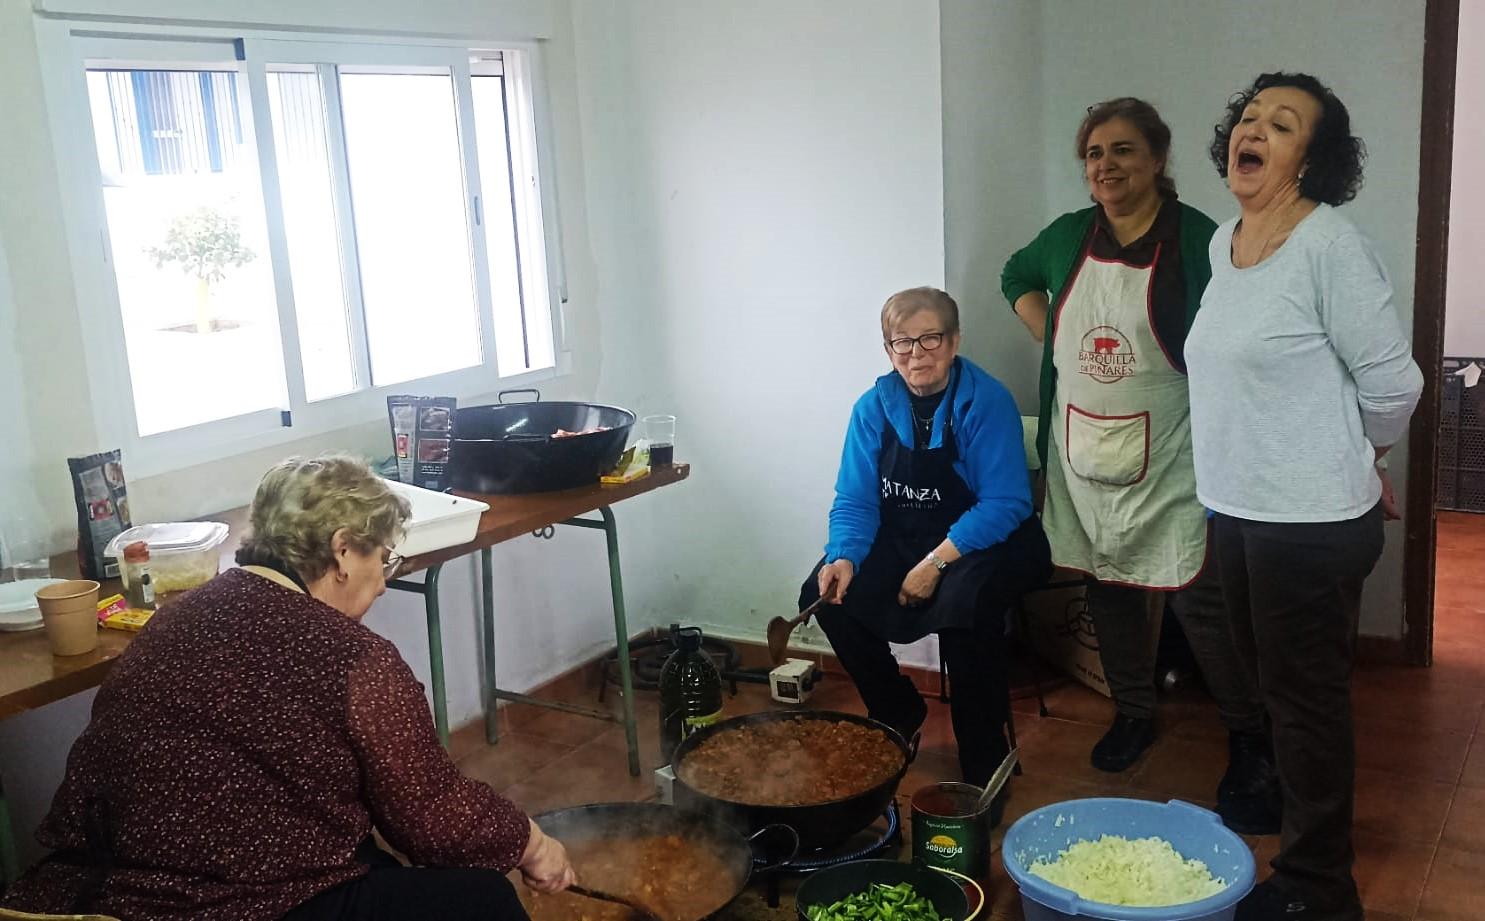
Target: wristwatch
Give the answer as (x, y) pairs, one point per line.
(938, 564)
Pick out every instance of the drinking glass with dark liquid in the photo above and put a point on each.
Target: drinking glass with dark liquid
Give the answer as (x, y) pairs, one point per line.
(660, 433)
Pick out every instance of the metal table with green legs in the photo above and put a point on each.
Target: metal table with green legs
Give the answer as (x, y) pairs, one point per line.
(514, 516)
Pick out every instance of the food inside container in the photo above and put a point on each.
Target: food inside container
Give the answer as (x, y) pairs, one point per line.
(791, 762)
(669, 875)
(1143, 872)
(182, 554)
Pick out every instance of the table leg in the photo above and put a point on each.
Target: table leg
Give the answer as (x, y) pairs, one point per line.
(9, 861)
(487, 609)
(435, 653)
(621, 636)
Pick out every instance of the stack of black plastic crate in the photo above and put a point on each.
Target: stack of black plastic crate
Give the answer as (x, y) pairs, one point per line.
(1462, 440)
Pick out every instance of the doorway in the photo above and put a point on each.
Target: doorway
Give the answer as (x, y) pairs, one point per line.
(1436, 153)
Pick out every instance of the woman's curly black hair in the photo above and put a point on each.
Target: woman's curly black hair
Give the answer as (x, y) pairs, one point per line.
(1332, 172)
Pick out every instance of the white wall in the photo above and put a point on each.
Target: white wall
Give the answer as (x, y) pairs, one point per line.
(994, 200)
(787, 178)
(1189, 59)
(1464, 312)
(552, 597)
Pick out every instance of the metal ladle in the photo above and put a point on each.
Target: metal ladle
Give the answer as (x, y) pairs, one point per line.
(997, 781)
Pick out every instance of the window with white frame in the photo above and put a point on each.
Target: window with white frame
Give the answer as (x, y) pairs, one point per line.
(295, 228)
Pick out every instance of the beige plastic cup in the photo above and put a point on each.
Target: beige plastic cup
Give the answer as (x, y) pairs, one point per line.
(70, 612)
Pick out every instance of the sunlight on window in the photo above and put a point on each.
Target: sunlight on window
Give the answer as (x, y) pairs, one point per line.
(307, 189)
(407, 189)
(186, 225)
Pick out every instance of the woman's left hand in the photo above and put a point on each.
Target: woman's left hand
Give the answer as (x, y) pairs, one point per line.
(919, 586)
(1390, 510)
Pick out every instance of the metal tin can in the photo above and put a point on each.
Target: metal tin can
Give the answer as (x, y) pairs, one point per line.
(948, 832)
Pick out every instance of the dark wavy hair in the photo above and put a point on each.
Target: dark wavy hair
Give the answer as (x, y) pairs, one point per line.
(1332, 171)
(1146, 121)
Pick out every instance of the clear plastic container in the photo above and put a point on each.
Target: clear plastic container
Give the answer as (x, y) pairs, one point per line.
(183, 554)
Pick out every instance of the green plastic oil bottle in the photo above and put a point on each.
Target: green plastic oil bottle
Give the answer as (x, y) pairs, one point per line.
(690, 690)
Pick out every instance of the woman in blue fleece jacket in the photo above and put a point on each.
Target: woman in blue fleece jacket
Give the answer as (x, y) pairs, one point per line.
(932, 530)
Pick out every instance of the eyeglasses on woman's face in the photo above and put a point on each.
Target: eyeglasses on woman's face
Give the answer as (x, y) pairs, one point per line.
(391, 563)
(904, 345)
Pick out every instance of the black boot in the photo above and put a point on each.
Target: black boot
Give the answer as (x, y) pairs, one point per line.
(1269, 901)
(1123, 744)
(1248, 798)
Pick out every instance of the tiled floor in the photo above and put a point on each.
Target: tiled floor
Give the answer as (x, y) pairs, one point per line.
(1420, 804)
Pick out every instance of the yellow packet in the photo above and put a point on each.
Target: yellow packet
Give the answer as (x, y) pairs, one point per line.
(131, 619)
(633, 465)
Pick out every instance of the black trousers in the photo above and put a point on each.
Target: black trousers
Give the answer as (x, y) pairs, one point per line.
(392, 892)
(1294, 594)
(1126, 647)
(975, 657)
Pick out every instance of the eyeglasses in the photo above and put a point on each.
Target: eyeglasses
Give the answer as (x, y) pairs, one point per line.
(392, 563)
(904, 346)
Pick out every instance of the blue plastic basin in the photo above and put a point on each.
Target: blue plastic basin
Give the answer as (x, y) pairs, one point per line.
(1191, 830)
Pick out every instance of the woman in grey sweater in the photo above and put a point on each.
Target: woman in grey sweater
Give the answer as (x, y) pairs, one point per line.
(1301, 379)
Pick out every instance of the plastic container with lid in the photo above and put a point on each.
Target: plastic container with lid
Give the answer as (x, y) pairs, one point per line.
(182, 555)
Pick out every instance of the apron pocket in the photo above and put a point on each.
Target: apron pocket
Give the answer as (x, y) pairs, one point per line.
(1114, 450)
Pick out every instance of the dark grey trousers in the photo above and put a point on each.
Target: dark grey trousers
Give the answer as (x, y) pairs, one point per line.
(1294, 592)
(1126, 647)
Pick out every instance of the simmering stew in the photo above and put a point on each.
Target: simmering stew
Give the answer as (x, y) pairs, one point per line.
(675, 878)
(791, 762)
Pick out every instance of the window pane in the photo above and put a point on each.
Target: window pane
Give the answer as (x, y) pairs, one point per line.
(523, 326)
(308, 194)
(190, 253)
(511, 347)
(407, 189)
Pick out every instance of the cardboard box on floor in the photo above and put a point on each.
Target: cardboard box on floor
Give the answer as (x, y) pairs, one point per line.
(1060, 629)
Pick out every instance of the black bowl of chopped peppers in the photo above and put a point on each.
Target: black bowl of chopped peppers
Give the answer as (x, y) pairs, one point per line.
(882, 889)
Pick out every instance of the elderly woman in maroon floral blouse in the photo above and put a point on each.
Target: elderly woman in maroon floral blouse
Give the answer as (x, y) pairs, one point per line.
(250, 738)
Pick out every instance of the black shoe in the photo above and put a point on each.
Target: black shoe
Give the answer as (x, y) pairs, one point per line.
(1248, 798)
(1123, 744)
(1269, 902)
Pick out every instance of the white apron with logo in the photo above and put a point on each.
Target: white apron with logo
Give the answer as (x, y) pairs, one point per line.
(1121, 488)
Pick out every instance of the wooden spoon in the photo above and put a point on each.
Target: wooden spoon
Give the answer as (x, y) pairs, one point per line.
(638, 909)
(779, 629)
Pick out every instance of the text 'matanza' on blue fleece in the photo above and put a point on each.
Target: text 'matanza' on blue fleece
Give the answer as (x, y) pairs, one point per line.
(992, 461)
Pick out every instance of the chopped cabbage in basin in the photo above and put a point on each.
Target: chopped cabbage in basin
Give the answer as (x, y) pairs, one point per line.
(1145, 872)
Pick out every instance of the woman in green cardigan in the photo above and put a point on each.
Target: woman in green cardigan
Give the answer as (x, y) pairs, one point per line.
(1110, 291)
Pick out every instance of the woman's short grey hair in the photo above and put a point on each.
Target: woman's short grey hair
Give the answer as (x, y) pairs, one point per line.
(300, 504)
(904, 304)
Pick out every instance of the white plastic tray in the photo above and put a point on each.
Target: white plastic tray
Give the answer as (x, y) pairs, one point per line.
(438, 520)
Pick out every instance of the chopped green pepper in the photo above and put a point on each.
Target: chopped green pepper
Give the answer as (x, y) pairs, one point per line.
(880, 902)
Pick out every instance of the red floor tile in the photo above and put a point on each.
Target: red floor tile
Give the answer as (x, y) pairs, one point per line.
(1455, 890)
(1182, 768)
(1390, 873)
(1465, 828)
(1414, 751)
(1409, 809)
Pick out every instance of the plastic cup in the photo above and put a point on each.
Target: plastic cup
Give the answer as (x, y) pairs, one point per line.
(70, 612)
(660, 433)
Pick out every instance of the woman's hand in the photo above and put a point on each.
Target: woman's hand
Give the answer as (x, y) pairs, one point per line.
(545, 866)
(835, 578)
(1390, 511)
(919, 586)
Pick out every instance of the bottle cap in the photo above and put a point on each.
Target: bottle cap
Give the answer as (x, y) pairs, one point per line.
(687, 639)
